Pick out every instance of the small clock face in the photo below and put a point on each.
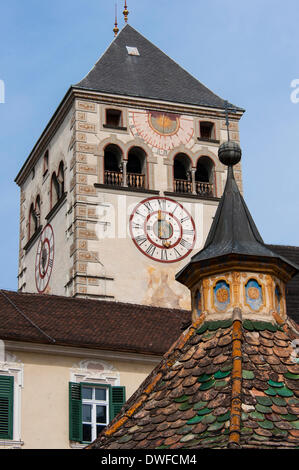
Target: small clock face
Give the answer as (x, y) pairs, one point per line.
(44, 258)
(162, 229)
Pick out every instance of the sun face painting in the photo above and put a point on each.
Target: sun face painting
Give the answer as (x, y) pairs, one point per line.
(160, 130)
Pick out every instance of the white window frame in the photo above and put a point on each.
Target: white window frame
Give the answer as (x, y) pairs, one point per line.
(97, 372)
(15, 369)
(93, 402)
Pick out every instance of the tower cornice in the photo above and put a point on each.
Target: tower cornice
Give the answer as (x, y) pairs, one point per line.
(74, 93)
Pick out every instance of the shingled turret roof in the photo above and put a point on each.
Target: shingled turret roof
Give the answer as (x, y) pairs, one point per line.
(227, 382)
(150, 74)
(186, 402)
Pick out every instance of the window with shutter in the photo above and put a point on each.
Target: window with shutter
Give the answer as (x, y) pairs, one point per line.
(92, 407)
(6, 407)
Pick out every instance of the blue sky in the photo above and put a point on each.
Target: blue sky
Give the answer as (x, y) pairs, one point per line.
(246, 52)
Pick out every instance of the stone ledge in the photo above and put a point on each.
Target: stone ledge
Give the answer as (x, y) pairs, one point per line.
(56, 208)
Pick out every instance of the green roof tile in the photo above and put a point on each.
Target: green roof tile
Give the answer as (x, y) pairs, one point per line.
(247, 324)
(262, 400)
(221, 374)
(208, 419)
(224, 417)
(207, 385)
(275, 384)
(261, 326)
(271, 391)
(204, 411)
(279, 401)
(220, 384)
(285, 392)
(195, 420)
(247, 374)
(289, 375)
(290, 417)
(215, 426)
(181, 399)
(266, 424)
(257, 416)
(199, 405)
(263, 409)
(185, 406)
(204, 377)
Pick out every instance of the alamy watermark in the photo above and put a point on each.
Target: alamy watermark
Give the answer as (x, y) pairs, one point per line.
(295, 353)
(114, 219)
(2, 351)
(2, 91)
(295, 93)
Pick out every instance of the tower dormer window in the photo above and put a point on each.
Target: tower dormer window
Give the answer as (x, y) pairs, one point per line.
(207, 131)
(113, 118)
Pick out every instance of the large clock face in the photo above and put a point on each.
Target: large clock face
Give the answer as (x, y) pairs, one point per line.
(162, 229)
(44, 258)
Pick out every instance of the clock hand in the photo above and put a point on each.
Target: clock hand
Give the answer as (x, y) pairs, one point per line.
(159, 223)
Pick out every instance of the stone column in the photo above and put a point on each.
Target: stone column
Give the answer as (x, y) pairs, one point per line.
(193, 170)
(124, 164)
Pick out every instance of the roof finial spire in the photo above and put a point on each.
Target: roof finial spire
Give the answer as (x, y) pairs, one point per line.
(115, 29)
(126, 12)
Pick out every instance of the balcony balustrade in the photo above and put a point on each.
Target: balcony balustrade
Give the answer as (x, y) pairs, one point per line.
(115, 178)
(201, 188)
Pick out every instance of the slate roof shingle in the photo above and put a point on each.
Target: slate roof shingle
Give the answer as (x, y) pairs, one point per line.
(151, 75)
(292, 287)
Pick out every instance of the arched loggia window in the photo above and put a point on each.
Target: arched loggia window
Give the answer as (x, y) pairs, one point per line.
(34, 217)
(57, 185)
(204, 177)
(113, 165)
(136, 167)
(182, 174)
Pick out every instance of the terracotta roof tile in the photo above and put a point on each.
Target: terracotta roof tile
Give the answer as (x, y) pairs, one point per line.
(195, 408)
(88, 323)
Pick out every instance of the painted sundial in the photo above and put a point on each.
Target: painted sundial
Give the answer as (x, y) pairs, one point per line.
(161, 130)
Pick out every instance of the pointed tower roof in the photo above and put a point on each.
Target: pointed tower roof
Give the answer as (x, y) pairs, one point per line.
(145, 72)
(233, 231)
(231, 379)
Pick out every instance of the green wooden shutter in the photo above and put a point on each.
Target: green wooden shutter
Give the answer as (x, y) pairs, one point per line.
(117, 400)
(6, 407)
(75, 412)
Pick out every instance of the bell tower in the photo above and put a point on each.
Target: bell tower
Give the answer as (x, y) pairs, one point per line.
(121, 188)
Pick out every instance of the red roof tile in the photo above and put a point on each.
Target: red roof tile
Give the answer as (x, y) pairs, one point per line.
(89, 323)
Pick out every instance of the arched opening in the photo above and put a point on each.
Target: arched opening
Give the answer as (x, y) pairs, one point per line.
(33, 222)
(46, 162)
(204, 177)
(60, 179)
(54, 190)
(37, 209)
(57, 185)
(113, 165)
(182, 174)
(136, 167)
